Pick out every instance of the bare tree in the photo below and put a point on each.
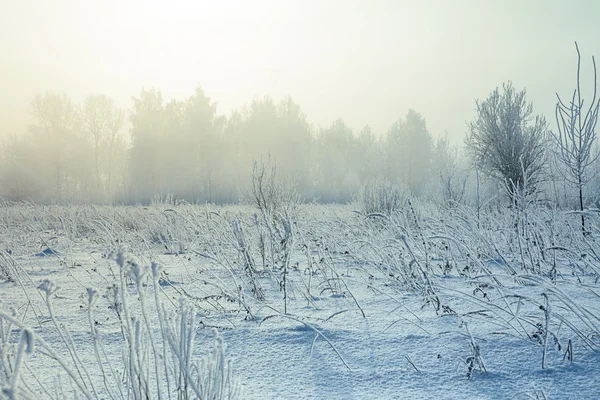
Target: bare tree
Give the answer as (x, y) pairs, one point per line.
(507, 142)
(55, 120)
(409, 151)
(102, 121)
(576, 135)
(270, 193)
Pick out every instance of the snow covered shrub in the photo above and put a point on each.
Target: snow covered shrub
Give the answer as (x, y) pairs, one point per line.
(383, 196)
(246, 259)
(6, 263)
(269, 193)
(159, 360)
(171, 228)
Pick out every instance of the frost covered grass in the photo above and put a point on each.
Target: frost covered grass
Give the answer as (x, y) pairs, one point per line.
(313, 301)
(157, 347)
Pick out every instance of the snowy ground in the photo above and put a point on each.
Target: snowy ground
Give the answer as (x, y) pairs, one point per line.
(422, 305)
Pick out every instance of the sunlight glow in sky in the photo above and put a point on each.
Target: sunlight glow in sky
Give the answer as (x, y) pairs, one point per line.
(364, 61)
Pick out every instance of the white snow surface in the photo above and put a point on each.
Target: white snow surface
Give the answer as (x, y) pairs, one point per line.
(344, 265)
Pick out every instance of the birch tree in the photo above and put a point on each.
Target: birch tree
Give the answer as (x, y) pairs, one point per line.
(508, 142)
(102, 122)
(576, 135)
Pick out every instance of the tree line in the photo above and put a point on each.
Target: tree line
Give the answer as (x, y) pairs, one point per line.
(186, 150)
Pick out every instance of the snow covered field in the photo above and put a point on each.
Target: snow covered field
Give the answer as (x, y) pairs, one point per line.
(322, 302)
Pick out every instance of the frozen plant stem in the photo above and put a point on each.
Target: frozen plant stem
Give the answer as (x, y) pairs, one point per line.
(546, 328)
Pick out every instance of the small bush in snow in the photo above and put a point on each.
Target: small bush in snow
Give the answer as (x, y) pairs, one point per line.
(382, 196)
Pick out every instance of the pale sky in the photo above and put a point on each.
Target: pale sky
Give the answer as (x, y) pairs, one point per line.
(367, 62)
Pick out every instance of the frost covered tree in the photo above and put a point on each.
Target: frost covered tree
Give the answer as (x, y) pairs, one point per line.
(370, 155)
(53, 132)
(294, 143)
(507, 142)
(192, 148)
(446, 164)
(147, 134)
(102, 122)
(336, 177)
(268, 129)
(576, 135)
(409, 151)
(202, 134)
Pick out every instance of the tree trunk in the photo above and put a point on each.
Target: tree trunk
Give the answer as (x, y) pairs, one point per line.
(581, 205)
(97, 167)
(109, 182)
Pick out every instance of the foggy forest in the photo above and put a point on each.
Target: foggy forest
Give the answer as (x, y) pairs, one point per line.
(184, 150)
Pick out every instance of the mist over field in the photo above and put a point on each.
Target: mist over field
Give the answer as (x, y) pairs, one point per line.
(234, 200)
(125, 101)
